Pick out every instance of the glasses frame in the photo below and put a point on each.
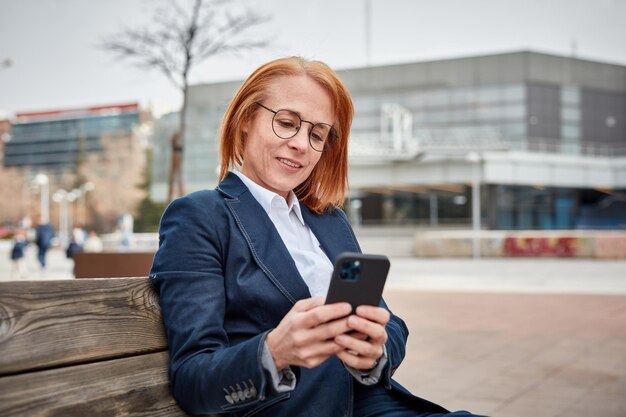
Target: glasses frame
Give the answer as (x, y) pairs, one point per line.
(332, 133)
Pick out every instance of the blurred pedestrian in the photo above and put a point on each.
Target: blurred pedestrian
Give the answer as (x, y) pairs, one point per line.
(93, 243)
(44, 234)
(17, 254)
(72, 248)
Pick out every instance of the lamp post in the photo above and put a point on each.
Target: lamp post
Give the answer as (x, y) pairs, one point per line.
(71, 197)
(44, 196)
(59, 197)
(475, 159)
(82, 201)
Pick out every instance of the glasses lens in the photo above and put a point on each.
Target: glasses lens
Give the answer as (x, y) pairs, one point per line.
(286, 124)
(319, 136)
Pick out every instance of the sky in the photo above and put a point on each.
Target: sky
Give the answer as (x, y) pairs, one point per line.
(55, 63)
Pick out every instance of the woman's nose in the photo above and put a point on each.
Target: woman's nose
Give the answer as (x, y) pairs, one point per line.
(301, 140)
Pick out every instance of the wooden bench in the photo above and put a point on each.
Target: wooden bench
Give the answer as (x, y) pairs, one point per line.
(92, 347)
(112, 264)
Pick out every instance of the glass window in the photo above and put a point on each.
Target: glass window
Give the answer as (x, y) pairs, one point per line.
(570, 95)
(415, 100)
(366, 123)
(514, 92)
(462, 115)
(570, 131)
(437, 98)
(489, 112)
(437, 117)
(570, 114)
(462, 96)
(489, 94)
(366, 104)
(513, 130)
(515, 112)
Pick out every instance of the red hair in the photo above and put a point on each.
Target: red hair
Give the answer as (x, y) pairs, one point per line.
(326, 187)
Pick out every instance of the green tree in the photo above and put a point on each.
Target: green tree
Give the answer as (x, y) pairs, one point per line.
(148, 212)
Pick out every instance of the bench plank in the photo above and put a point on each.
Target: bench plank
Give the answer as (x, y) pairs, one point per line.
(112, 264)
(136, 386)
(57, 323)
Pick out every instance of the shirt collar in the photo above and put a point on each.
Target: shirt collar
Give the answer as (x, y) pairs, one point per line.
(267, 198)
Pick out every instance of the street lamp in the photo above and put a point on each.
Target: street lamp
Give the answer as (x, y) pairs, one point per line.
(82, 197)
(71, 197)
(476, 159)
(59, 197)
(44, 196)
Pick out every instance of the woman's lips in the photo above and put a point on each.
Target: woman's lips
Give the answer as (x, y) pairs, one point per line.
(290, 163)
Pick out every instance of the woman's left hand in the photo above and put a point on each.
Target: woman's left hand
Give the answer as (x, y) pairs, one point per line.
(365, 347)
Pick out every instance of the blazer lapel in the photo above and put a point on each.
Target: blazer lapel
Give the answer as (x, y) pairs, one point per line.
(265, 244)
(332, 231)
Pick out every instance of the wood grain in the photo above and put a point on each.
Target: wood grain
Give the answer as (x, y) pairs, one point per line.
(46, 324)
(136, 386)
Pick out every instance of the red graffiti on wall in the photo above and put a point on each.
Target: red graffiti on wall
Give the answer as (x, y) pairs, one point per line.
(540, 246)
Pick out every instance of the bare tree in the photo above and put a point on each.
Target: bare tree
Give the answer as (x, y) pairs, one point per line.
(180, 39)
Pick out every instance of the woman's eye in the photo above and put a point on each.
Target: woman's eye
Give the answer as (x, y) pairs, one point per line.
(316, 137)
(286, 123)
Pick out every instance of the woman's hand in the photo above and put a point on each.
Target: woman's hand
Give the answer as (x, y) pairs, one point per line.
(361, 350)
(306, 335)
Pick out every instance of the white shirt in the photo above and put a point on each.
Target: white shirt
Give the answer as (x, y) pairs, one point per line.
(312, 263)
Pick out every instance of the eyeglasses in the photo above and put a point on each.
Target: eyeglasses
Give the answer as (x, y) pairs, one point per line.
(286, 124)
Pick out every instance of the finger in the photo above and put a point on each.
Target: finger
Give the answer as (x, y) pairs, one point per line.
(356, 362)
(324, 313)
(373, 330)
(360, 347)
(359, 335)
(377, 314)
(330, 329)
(314, 361)
(326, 349)
(307, 303)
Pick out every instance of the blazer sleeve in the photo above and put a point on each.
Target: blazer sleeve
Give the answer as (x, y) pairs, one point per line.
(397, 335)
(207, 373)
(397, 332)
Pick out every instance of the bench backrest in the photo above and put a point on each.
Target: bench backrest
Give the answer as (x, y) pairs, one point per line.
(112, 264)
(91, 347)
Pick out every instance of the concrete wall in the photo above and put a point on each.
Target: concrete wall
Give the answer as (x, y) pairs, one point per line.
(562, 244)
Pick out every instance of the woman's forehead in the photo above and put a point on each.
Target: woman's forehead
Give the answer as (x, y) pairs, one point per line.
(301, 94)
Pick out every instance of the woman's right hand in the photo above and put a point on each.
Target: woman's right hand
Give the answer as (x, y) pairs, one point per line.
(305, 336)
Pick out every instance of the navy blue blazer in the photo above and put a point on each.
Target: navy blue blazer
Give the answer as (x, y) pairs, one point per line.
(225, 278)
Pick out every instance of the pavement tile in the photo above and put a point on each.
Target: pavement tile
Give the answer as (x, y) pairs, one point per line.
(518, 354)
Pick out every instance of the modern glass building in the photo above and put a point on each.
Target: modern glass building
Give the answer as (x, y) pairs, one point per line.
(543, 136)
(55, 140)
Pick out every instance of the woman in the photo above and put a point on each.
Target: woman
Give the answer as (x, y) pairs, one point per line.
(242, 270)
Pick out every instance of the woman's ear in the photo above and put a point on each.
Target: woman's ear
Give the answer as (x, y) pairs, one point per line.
(244, 128)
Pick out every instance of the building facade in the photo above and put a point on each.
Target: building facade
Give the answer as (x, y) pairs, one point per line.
(92, 159)
(58, 139)
(541, 137)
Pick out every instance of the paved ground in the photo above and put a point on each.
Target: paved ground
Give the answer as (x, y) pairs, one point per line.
(516, 355)
(502, 337)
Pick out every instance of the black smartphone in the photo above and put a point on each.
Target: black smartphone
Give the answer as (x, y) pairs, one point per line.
(358, 279)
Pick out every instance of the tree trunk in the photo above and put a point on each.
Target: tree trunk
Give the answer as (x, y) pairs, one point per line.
(177, 142)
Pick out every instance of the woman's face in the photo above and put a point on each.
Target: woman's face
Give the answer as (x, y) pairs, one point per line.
(280, 165)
